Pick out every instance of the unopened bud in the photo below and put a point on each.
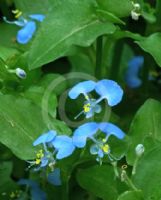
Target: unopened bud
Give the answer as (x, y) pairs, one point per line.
(134, 15)
(20, 73)
(139, 150)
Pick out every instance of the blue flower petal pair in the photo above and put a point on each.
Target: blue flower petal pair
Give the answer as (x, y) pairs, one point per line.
(132, 78)
(62, 144)
(100, 146)
(28, 29)
(36, 192)
(54, 177)
(88, 130)
(107, 89)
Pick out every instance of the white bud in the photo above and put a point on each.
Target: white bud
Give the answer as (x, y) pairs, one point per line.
(20, 73)
(137, 6)
(139, 150)
(134, 15)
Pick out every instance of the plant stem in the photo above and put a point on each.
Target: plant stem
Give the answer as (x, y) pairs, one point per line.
(124, 177)
(135, 165)
(115, 169)
(118, 49)
(99, 47)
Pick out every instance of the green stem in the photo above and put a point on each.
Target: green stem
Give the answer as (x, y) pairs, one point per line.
(99, 47)
(118, 49)
(135, 165)
(114, 164)
(127, 180)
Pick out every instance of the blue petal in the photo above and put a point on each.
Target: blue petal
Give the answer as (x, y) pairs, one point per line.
(133, 82)
(45, 138)
(38, 17)
(84, 131)
(132, 74)
(100, 153)
(81, 88)
(97, 109)
(111, 129)
(94, 149)
(64, 145)
(26, 33)
(135, 64)
(44, 162)
(109, 90)
(90, 113)
(36, 192)
(54, 177)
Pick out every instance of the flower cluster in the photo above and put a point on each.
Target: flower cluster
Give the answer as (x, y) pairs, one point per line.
(25, 34)
(106, 89)
(57, 147)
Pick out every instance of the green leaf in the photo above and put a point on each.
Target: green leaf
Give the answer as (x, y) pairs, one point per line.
(147, 175)
(145, 128)
(7, 53)
(131, 195)
(152, 45)
(99, 180)
(33, 7)
(36, 94)
(117, 7)
(61, 30)
(109, 16)
(7, 185)
(20, 124)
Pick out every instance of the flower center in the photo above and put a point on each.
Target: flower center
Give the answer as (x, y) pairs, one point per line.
(105, 148)
(87, 107)
(17, 13)
(39, 155)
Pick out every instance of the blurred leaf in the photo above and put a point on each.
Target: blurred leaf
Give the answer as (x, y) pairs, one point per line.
(99, 180)
(20, 124)
(6, 184)
(61, 30)
(147, 175)
(36, 94)
(145, 128)
(9, 31)
(117, 7)
(7, 53)
(131, 195)
(34, 7)
(152, 45)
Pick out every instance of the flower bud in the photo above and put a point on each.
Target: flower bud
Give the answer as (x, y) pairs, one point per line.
(135, 15)
(139, 150)
(20, 73)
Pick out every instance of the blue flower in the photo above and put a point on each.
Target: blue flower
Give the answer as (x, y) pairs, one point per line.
(28, 29)
(36, 192)
(54, 177)
(106, 89)
(55, 148)
(90, 131)
(132, 78)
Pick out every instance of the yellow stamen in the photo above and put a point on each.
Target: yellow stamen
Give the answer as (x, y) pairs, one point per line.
(17, 13)
(104, 140)
(86, 107)
(40, 154)
(105, 148)
(86, 97)
(37, 161)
